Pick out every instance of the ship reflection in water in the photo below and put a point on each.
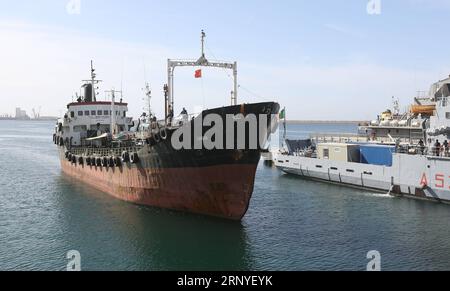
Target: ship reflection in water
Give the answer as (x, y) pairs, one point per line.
(291, 224)
(149, 238)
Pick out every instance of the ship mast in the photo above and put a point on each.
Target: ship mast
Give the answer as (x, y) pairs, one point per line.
(113, 110)
(148, 93)
(93, 82)
(201, 62)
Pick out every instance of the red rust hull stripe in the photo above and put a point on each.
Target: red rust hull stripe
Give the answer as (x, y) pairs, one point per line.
(222, 191)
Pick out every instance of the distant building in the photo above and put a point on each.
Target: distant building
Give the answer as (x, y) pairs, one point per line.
(21, 114)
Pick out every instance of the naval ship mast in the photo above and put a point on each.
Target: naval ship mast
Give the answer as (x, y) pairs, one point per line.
(201, 62)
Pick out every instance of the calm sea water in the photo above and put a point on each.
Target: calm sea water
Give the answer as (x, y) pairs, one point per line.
(292, 224)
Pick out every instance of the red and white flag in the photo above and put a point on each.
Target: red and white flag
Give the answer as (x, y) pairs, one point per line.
(198, 74)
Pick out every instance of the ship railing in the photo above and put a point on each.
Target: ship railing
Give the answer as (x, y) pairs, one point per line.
(440, 152)
(434, 152)
(102, 152)
(355, 138)
(338, 138)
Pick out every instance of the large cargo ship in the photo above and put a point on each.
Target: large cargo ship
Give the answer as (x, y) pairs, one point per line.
(141, 161)
(401, 154)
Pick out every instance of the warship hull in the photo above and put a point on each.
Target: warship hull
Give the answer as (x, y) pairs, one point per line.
(411, 176)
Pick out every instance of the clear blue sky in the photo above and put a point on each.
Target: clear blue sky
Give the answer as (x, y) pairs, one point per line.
(309, 55)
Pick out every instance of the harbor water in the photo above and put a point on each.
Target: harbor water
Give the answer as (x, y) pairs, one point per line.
(292, 224)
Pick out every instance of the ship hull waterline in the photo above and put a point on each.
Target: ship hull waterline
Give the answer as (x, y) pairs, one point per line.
(226, 195)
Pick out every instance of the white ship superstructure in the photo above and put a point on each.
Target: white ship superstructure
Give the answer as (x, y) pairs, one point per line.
(408, 155)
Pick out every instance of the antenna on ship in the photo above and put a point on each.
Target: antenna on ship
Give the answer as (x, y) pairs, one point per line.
(148, 93)
(203, 43)
(93, 82)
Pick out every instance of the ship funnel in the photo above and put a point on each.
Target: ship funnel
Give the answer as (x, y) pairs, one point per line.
(87, 92)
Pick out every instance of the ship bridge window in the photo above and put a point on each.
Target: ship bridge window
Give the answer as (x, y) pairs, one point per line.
(80, 128)
(87, 113)
(99, 112)
(93, 113)
(447, 115)
(72, 114)
(124, 114)
(105, 112)
(80, 113)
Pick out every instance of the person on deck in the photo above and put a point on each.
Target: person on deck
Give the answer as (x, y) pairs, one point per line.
(421, 147)
(437, 148)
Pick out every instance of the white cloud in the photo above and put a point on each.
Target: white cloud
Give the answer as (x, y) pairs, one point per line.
(345, 31)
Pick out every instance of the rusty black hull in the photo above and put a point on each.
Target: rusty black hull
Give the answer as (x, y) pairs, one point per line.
(211, 182)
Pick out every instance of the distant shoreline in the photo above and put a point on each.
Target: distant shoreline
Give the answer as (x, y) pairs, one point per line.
(324, 122)
(34, 120)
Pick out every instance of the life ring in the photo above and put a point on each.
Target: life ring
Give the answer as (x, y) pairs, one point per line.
(134, 158)
(125, 157)
(163, 133)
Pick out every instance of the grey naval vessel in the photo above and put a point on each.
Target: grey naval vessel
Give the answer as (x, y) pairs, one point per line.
(404, 154)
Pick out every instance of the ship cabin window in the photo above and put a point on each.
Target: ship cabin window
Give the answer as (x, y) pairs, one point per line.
(105, 112)
(80, 128)
(447, 115)
(93, 113)
(124, 114)
(72, 114)
(99, 112)
(326, 153)
(80, 113)
(87, 113)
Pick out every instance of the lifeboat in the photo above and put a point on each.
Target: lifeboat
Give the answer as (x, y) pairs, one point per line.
(423, 109)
